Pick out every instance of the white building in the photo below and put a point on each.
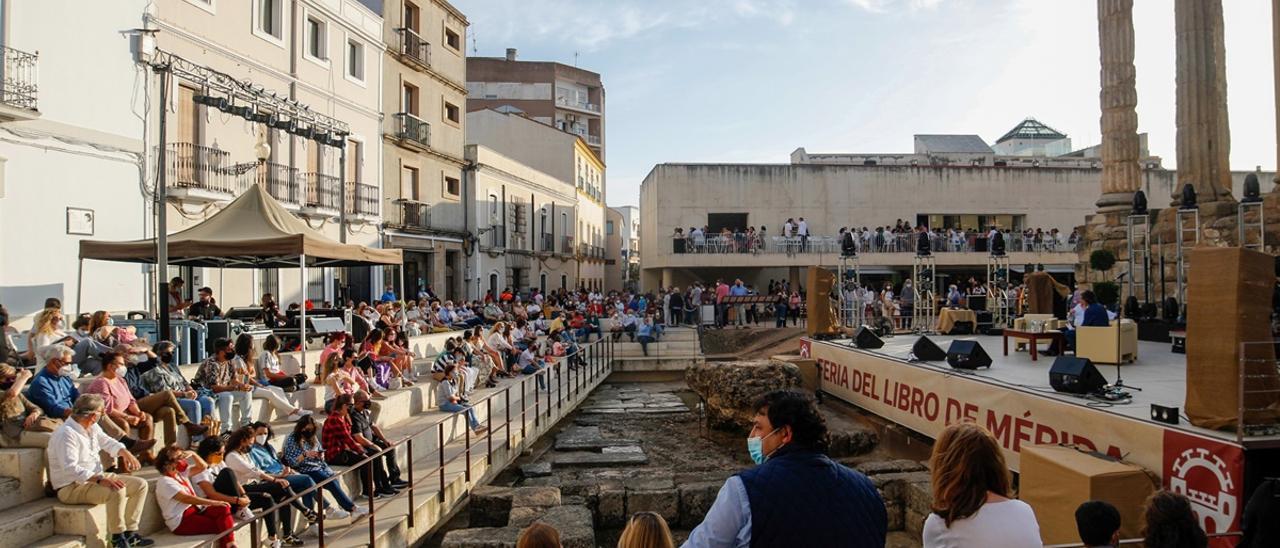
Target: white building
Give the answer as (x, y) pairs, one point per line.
(1032, 138)
(70, 153)
(629, 235)
(512, 201)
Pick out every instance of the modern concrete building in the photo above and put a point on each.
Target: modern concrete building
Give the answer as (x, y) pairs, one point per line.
(613, 263)
(568, 98)
(320, 53)
(71, 153)
(630, 246)
(1032, 138)
(424, 102)
(513, 203)
(566, 157)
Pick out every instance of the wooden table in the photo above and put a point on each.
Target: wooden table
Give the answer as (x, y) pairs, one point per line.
(1033, 338)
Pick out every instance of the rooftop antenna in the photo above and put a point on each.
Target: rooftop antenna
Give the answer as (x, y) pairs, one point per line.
(575, 58)
(474, 50)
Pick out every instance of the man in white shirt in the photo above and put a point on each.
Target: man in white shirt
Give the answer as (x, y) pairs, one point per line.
(75, 471)
(802, 230)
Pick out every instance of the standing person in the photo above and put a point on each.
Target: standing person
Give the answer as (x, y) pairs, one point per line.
(388, 295)
(739, 309)
(1171, 523)
(675, 303)
(184, 512)
(781, 307)
(77, 476)
(646, 530)
(177, 305)
(971, 485)
(722, 309)
(793, 306)
(796, 495)
(802, 230)
(908, 302)
(218, 376)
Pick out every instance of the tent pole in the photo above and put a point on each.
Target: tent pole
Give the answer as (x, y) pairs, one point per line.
(400, 275)
(302, 316)
(79, 283)
(162, 231)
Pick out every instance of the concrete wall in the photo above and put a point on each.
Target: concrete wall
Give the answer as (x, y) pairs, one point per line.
(536, 145)
(614, 263)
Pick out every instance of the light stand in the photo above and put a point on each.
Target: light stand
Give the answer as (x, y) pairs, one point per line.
(1252, 202)
(925, 273)
(1188, 233)
(850, 274)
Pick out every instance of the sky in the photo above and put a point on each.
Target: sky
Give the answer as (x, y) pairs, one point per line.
(752, 80)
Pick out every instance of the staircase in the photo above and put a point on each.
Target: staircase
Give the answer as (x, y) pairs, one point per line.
(676, 350)
(516, 412)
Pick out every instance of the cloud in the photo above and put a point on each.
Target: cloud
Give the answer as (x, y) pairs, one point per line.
(885, 6)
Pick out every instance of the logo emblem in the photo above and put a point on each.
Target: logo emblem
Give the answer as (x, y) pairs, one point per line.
(1205, 479)
(804, 348)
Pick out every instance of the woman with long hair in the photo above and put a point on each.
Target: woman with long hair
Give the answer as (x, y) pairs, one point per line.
(303, 452)
(185, 512)
(246, 357)
(270, 371)
(1170, 523)
(99, 320)
(646, 530)
(48, 328)
(971, 489)
(253, 481)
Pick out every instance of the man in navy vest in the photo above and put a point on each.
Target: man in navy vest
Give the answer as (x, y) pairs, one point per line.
(796, 496)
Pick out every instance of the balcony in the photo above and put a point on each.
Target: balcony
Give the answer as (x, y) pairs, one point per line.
(281, 182)
(566, 245)
(577, 105)
(362, 202)
(414, 216)
(199, 174)
(413, 48)
(18, 86)
(593, 140)
(321, 200)
(548, 243)
(412, 130)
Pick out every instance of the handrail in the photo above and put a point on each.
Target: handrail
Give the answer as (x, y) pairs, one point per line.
(599, 362)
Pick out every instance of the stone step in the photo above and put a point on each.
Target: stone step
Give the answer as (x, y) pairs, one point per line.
(27, 523)
(653, 363)
(23, 470)
(58, 541)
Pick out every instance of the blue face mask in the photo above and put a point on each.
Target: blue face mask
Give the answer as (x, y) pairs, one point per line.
(755, 447)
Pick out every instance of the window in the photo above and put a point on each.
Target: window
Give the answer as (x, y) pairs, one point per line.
(409, 101)
(411, 16)
(608, 227)
(317, 39)
(452, 39)
(355, 60)
(409, 183)
(452, 186)
(271, 18)
(452, 113)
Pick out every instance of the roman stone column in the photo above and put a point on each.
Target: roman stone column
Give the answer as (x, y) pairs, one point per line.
(1121, 172)
(1204, 140)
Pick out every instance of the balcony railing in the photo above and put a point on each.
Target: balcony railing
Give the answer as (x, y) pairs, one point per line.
(362, 199)
(322, 190)
(548, 243)
(593, 140)
(281, 181)
(566, 245)
(580, 105)
(196, 167)
(414, 47)
(19, 79)
(414, 215)
(412, 128)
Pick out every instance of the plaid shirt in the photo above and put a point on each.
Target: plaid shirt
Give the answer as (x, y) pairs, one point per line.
(294, 458)
(336, 436)
(212, 373)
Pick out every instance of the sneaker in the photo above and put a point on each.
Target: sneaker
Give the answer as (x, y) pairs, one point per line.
(337, 513)
(388, 492)
(137, 540)
(291, 541)
(400, 484)
(274, 543)
(244, 514)
(118, 540)
(358, 512)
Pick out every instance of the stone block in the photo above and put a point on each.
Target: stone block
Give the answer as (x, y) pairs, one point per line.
(535, 496)
(664, 502)
(536, 470)
(490, 506)
(695, 501)
(892, 508)
(893, 485)
(575, 525)
(913, 522)
(611, 507)
(523, 516)
(888, 467)
(729, 388)
(551, 481)
(919, 496)
(481, 537)
(587, 459)
(851, 441)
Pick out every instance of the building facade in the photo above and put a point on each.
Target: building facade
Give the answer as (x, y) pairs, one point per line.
(424, 99)
(613, 264)
(514, 204)
(566, 157)
(629, 254)
(565, 97)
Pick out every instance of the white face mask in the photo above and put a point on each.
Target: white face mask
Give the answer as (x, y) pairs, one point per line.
(137, 358)
(70, 370)
(261, 439)
(121, 370)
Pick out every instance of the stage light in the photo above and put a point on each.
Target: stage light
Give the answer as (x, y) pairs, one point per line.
(243, 111)
(261, 117)
(997, 245)
(220, 103)
(321, 136)
(1188, 196)
(1252, 194)
(1167, 415)
(284, 124)
(1139, 203)
(922, 245)
(847, 246)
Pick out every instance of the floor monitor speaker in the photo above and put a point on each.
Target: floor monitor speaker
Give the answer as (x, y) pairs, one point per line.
(926, 350)
(967, 354)
(1075, 376)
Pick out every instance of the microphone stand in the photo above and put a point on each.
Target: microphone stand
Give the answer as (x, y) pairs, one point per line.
(1118, 388)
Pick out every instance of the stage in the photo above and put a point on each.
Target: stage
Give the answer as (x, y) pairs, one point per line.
(1014, 401)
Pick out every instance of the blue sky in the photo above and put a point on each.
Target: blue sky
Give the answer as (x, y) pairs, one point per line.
(752, 80)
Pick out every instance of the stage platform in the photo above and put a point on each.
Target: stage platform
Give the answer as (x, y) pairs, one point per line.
(1013, 399)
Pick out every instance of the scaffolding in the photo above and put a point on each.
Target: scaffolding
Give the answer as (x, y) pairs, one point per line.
(852, 311)
(1138, 234)
(1258, 229)
(997, 291)
(1188, 236)
(925, 273)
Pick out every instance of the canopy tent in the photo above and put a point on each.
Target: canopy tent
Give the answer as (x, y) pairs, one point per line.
(253, 231)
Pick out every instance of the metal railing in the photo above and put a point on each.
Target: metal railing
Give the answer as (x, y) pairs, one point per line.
(280, 180)
(566, 245)
(412, 128)
(1258, 388)
(414, 47)
(580, 105)
(593, 140)
(567, 377)
(548, 243)
(414, 215)
(19, 85)
(193, 166)
(362, 199)
(743, 242)
(322, 190)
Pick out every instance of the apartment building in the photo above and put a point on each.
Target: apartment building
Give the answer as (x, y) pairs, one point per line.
(323, 54)
(559, 95)
(71, 151)
(629, 252)
(566, 157)
(517, 209)
(613, 265)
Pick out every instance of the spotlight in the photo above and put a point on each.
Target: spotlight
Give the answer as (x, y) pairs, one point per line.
(1139, 203)
(321, 136)
(220, 103)
(1188, 196)
(284, 124)
(847, 246)
(243, 111)
(1252, 194)
(997, 245)
(260, 117)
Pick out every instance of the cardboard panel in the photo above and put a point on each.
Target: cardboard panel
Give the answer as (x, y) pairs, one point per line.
(1056, 479)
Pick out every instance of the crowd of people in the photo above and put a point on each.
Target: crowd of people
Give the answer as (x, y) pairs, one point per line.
(795, 237)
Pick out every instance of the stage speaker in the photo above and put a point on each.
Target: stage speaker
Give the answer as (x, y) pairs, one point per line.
(1075, 376)
(821, 315)
(1230, 279)
(866, 338)
(967, 355)
(926, 350)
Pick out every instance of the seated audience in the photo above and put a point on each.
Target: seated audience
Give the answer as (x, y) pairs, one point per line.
(365, 430)
(302, 452)
(270, 372)
(341, 448)
(1171, 523)
(246, 357)
(184, 512)
(77, 476)
(447, 394)
(166, 377)
(264, 455)
(120, 407)
(793, 483)
(255, 480)
(53, 390)
(1098, 523)
(22, 423)
(971, 487)
(646, 530)
(163, 405)
(217, 376)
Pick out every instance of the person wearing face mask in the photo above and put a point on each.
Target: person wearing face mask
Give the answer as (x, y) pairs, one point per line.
(218, 376)
(366, 432)
(166, 377)
(795, 495)
(184, 512)
(121, 407)
(47, 330)
(161, 404)
(257, 480)
(303, 452)
(54, 390)
(264, 455)
(22, 423)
